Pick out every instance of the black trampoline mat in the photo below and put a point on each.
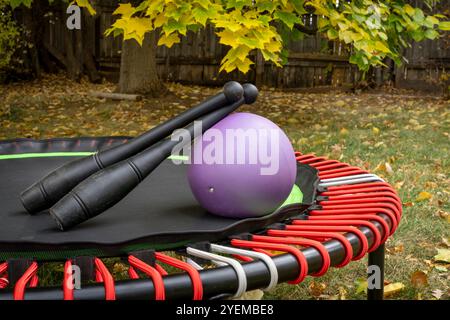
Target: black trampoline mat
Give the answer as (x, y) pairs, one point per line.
(161, 213)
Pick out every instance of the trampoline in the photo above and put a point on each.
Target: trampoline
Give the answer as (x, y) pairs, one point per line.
(339, 213)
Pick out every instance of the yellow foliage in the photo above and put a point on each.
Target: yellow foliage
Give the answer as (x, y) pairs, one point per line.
(246, 26)
(423, 196)
(168, 40)
(85, 4)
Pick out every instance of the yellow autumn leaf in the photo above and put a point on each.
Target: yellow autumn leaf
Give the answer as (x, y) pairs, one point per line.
(344, 132)
(273, 46)
(227, 37)
(168, 40)
(244, 66)
(85, 4)
(393, 288)
(135, 28)
(340, 103)
(380, 167)
(375, 131)
(361, 285)
(316, 289)
(274, 252)
(126, 10)
(160, 20)
(443, 255)
(423, 196)
(380, 46)
(409, 10)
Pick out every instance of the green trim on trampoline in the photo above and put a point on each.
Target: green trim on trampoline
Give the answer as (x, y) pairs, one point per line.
(295, 197)
(179, 158)
(65, 154)
(44, 155)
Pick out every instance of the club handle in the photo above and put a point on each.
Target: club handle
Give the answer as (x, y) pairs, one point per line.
(51, 188)
(107, 187)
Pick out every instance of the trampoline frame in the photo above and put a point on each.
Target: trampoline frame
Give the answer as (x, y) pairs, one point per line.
(340, 208)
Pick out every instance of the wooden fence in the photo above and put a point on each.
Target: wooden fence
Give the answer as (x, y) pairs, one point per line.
(428, 62)
(313, 61)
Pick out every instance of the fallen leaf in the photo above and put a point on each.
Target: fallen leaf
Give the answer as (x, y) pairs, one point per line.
(336, 151)
(399, 185)
(275, 253)
(340, 103)
(379, 167)
(384, 167)
(441, 268)
(317, 288)
(393, 288)
(389, 168)
(292, 121)
(342, 293)
(431, 185)
(251, 295)
(443, 255)
(375, 131)
(437, 293)
(423, 196)
(428, 262)
(445, 241)
(398, 248)
(344, 132)
(408, 204)
(361, 285)
(419, 279)
(120, 268)
(444, 215)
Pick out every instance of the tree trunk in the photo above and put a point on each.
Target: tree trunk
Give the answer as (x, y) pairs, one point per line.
(73, 65)
(138, 73)
(73, 51)
(31, 36)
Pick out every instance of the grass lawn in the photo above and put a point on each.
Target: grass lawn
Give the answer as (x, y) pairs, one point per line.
(404, 139)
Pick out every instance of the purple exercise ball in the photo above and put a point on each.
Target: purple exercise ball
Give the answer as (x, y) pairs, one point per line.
(233, 179)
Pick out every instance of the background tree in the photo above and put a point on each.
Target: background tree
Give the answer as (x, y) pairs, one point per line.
(9, 38)
(373, 29)
(75, 58)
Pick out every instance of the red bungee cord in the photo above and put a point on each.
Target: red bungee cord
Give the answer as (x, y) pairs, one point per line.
(150, 271)
(197, 284)
(19, 288)
(3, 276)
(345, 217)
(336, 229)
(271, 238)
(359, 211)
(68, 281)
(319, 236)
(103, 275)
(344, 223)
